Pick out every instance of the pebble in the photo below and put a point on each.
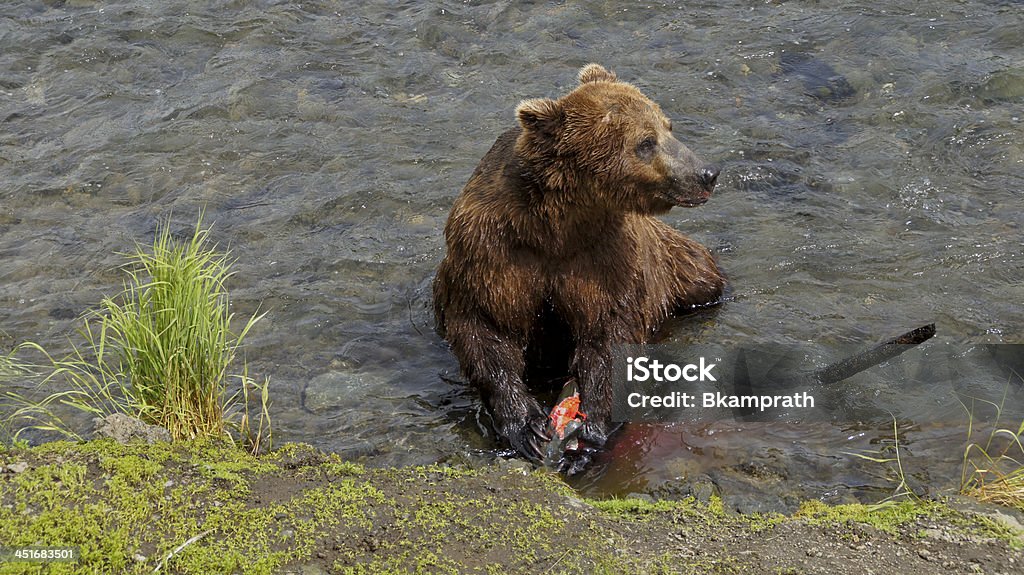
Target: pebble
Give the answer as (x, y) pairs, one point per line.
(18, 467)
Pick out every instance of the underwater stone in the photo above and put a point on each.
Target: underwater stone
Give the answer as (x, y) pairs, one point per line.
(340, 390)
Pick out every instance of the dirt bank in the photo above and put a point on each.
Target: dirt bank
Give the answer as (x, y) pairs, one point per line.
(213, 509)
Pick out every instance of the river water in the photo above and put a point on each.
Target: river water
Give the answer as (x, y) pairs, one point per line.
(872, 155)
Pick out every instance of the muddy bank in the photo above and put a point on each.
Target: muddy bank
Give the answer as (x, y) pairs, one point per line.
(211, 509)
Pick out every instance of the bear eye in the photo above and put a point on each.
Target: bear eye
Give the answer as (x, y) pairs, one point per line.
(645, 149)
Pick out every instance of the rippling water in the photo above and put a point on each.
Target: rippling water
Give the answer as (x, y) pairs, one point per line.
(873, 168)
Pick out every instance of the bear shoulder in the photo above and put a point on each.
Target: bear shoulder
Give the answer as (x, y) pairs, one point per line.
(499, 172)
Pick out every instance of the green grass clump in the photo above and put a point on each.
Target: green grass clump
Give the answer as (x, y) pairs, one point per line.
(992, 463)
(993, 466)
(161, 350)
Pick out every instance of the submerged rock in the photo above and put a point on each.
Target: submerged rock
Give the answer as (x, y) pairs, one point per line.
(1003, 86)
(820, 80)
(340, 390)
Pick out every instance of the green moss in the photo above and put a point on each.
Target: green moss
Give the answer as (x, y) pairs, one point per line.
(891, 516)
(758, 522)
(427, 563)
(292, 451)
(152, 498)
(343, 468)
(223, 457)
(54, 505)
(989, 527)
(887, 517)
(632, 506)
(131, 469)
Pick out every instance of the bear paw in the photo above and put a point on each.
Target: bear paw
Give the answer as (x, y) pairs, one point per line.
(529, 437)
(574, 462)
(595, 434)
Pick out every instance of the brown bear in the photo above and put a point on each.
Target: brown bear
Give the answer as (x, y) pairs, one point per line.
(557, 222)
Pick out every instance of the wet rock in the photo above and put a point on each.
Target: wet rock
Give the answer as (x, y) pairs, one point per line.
(762, 472)
(641, 496)
(841, 495)
(702, 488)
(124, 428)
(746, 503)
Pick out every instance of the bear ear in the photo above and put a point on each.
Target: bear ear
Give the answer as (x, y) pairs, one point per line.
(539, 115)
(596, 73)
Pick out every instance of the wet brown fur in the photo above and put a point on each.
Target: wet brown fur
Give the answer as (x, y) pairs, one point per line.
(559, 216)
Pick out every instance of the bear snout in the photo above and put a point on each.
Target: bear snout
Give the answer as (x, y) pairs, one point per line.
(707, 176)
(693, 187)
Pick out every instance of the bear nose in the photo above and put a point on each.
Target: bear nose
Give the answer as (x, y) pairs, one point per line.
(708, 175)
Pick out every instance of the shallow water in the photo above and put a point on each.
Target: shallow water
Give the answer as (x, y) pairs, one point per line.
(873, 166)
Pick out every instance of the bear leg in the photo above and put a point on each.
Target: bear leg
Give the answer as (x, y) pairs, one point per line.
(494, 364)
(592, 369)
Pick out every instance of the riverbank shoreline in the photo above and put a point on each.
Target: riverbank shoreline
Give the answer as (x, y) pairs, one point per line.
(207, 508)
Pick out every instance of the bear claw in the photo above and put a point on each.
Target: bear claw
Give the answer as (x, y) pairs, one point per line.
(594, 434)
(529, 440)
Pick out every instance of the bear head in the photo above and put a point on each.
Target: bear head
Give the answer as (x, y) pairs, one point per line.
(606, 144)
